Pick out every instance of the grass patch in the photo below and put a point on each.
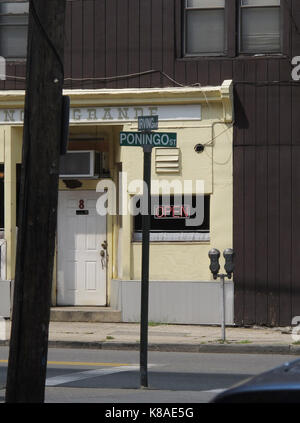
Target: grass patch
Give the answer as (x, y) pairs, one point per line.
(155, 324)
(244, 341)
(108, 338)
(296, 343)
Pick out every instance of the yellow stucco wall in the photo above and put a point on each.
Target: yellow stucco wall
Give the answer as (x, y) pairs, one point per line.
(187, 260)
(10, 155)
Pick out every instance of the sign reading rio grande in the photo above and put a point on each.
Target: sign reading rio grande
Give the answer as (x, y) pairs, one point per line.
(155, 139)
(117, 114)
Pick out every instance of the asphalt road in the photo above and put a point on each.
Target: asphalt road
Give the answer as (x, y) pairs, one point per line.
(86, 376)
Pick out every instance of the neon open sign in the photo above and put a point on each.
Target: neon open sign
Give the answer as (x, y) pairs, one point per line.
(172, 212)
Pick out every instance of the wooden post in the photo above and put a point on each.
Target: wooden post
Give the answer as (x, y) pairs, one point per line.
(38, 203)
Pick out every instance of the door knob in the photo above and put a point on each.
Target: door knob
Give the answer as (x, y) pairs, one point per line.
(104, 245)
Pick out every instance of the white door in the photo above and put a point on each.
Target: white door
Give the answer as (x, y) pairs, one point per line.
(81, 252)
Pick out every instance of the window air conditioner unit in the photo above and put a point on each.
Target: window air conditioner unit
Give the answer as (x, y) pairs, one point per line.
(80, 164)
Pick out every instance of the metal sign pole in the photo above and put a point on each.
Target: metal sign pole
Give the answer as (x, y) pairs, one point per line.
(146, 219)
(147, 139)
(223, 307)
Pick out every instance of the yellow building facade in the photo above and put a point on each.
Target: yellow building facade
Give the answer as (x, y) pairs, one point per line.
(98, 258)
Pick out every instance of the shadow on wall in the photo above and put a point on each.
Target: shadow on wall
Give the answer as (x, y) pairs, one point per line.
(241, 121)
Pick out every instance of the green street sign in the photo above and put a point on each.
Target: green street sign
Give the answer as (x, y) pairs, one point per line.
(155, 139)
(147, 123)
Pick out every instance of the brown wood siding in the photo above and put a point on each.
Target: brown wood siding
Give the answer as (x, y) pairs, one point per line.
(107, 39)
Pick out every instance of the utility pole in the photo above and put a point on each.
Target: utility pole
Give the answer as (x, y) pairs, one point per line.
(38, 202)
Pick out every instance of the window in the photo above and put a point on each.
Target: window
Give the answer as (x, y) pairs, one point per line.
(168, 219)
(205, 27)
(223, 27)
(13, 29)
(260, 26)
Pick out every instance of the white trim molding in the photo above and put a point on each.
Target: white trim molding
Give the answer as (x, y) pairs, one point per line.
(3, 259)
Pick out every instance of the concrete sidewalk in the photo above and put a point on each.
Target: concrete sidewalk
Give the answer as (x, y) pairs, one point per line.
(169, 337)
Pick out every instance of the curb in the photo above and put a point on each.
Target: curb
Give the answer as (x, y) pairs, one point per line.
(188, 348)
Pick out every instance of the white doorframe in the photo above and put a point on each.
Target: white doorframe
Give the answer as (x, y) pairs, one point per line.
(3, 259)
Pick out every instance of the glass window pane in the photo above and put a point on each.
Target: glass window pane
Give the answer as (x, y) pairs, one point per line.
(199, 24)
(205, 4)
(75, 164)
(14, 7)
(14, 19)
(258, 3)
(260, 30)
(13, 41)
(13, 29)
(167, 218)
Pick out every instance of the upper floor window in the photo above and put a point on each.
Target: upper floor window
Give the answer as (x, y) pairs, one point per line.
(220, 27)
(205, 27)
(13, 29)
(260, 26)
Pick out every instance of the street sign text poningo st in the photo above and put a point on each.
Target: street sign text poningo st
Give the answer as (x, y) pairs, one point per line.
(155, 139)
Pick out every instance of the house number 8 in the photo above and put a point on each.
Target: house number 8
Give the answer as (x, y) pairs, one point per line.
(81, 204)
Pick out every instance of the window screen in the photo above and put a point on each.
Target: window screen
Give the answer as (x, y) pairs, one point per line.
(205, 27)
(13, 29)
(75, 163)
(260, 26)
